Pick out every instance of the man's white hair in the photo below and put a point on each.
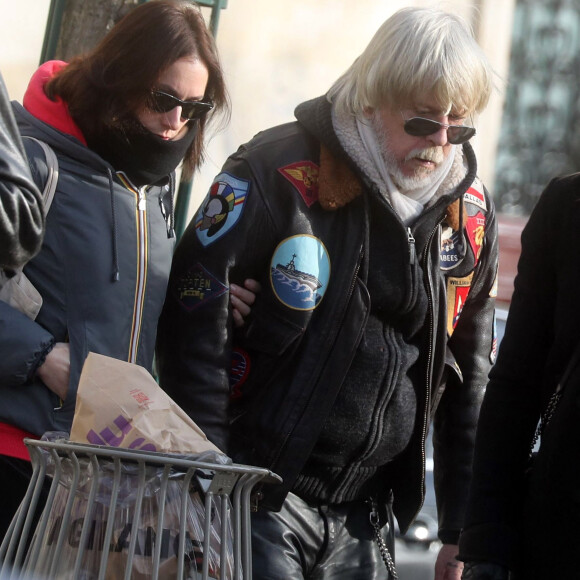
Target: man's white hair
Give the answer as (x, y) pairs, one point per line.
(417, 52)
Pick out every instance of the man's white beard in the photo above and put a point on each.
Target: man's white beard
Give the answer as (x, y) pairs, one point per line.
(422, 177)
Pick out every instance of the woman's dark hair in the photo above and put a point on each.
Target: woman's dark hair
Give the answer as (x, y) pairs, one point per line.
(115, 79)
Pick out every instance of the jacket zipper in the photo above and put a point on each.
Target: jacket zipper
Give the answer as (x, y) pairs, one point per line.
(411, 240)
(429, 355)
(142, 247)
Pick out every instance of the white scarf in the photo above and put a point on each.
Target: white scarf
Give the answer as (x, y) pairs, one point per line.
(363, 148)
(407, 204)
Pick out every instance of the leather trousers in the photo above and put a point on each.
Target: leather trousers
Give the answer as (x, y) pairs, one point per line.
(319, 542)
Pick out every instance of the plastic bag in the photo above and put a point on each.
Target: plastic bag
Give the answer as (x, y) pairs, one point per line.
(143, 504)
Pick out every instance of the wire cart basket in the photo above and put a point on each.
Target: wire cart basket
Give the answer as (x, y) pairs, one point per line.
(107, 511)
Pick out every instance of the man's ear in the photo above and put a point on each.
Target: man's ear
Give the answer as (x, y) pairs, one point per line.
(368, 112)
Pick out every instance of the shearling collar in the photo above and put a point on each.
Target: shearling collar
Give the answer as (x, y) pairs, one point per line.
(338, 185)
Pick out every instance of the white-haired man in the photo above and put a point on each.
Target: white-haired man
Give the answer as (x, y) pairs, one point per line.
(375, 244)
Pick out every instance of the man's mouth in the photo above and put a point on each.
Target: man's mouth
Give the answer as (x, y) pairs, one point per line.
(425, 162)
(428, 157)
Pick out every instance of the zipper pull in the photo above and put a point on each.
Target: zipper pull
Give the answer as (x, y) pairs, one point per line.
(142, 200)
(411, 241)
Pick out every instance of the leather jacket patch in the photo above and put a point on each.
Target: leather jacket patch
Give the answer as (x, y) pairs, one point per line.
(300, 271)
(451, 253)
(475, 227)
(239, 371)
(222, 207)
(475, 194)
(457, 292)
(196, 287)
(303, 175)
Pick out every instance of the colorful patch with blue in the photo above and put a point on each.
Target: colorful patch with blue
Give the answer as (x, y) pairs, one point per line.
(451, 248)
(222, 208)
(197, 287)
(300, 271)
(239, 372)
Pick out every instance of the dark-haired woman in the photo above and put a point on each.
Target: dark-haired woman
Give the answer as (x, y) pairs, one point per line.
(120, 121)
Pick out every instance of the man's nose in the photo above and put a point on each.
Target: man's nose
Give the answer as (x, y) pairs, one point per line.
(439, 138)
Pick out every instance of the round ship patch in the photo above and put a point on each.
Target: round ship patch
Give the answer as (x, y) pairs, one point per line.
(300, 271)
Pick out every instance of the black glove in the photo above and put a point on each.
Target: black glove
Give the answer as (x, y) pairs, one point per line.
(484, 571)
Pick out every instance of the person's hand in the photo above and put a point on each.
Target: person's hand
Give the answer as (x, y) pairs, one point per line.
(484, 571)
(55, 371)
(242, 299)
(447, 566)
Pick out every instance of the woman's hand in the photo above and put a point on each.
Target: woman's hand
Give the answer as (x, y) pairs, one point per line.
(55, 371)
(242, 299)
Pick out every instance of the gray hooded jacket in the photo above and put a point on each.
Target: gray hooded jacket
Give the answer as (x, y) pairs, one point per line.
(102, 272)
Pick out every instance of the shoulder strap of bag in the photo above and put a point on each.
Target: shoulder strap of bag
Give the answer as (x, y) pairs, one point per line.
(556, 396)
(52, 165)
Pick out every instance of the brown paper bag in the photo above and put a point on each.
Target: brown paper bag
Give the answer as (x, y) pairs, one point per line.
(119, 404)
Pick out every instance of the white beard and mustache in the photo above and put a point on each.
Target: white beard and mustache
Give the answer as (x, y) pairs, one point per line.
(422, 177)
(407, 194)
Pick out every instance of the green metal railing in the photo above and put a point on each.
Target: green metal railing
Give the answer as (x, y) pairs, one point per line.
(184, 192)
(51, 37)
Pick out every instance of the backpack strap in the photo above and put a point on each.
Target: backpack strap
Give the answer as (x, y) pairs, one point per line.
(52, 179)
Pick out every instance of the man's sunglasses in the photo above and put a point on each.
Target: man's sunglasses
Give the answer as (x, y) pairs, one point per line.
(420, 127)
(161, 102)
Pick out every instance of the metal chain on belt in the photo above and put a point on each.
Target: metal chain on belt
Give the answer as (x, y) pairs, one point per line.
(383, 549)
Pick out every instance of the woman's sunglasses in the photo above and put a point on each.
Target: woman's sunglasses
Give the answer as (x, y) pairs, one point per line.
(161, 102)
(420, 127)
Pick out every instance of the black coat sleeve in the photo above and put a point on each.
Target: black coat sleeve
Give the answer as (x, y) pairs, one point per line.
(516, 392)
(195, 332)
(455, 421)
(21, 215)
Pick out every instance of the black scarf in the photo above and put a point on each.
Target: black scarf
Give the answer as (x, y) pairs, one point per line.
(143, 156)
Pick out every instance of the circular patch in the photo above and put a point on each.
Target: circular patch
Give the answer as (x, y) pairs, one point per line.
(450, 255)
(300, 271)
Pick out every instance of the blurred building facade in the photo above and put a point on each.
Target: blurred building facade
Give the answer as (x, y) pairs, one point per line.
(277, 53)
(539, 135)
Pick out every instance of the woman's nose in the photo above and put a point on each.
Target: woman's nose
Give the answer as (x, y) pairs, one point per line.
(173, 118)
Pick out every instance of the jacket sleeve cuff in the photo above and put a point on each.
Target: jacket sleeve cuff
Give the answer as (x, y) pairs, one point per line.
(497, 544)
(41, 357)
(449, 536)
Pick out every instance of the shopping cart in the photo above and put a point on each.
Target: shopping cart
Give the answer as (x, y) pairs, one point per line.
(107, 483)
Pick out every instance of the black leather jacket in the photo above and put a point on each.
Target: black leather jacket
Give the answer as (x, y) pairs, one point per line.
(289, 363)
